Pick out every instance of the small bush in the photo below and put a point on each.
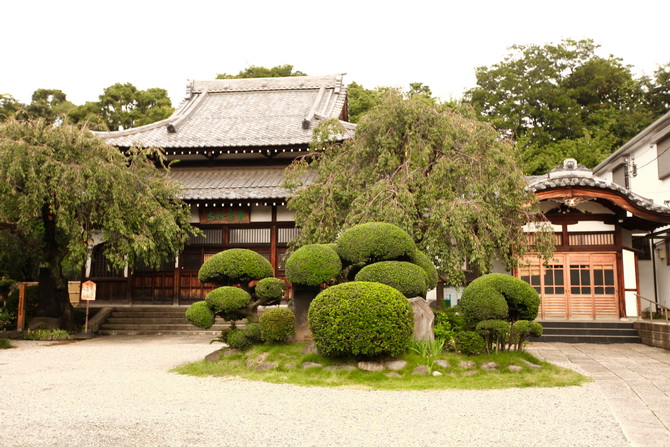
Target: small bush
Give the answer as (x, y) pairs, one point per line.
(277, 325)
(270, 290)
(469, 342)
(373, 242)
(12, 307)
(419, 258)
(44, 334)
(495, 334)
(6, 319)
(5, 287)
(5, 344)
(253, 332)
(235, 266)
(200, 315)
(312, 265)
(237, 339)
(409, 279)
(523, 329)
(362, 319)
(227, 299)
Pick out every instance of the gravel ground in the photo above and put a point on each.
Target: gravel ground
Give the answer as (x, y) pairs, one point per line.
(117, 391)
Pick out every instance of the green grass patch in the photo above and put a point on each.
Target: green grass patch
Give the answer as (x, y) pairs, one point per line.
(333, 373)
(45, 334)
(5, 344)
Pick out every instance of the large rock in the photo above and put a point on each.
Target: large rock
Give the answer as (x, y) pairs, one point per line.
(423, 319)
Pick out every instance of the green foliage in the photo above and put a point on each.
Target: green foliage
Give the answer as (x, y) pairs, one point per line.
(200, 315)
(43, 334)
(496, 297)
(253, 332)
(409, 279)
(235, 266)
(5, 343)
(227, 299)
(6, 319)
(270, 290)
(5, 287)
(373, 242)
(237, 339)
(410, 157)
(12, 306)
(561, 100)
(8, 106)
(313, 264)
(448, 322)
(469, 342)
(523, 329)
(428, 350)
(361, 319)
(122, 106)
(253, 71)
(419, 258)
(495, 334)
(277, 324)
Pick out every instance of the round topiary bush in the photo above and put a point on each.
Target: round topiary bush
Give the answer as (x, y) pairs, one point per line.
(419, 258)
(374, 242)
(270, 290)
(237, 339)
(277, 324)
(227, 299)
(469, 342)
(365, 319)
(499, 297)
(312, 265)
(409, 279)
(200, 315)
(234, 266)
(253, 332)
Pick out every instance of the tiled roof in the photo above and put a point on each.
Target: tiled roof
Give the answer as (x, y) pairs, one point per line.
(232, 183)
(571, 174)
(243, 113)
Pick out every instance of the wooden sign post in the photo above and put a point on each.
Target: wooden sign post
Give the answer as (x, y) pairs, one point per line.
(21, 311)
(87, 294)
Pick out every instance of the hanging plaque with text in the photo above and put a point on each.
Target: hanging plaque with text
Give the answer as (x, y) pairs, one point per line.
(224, 215)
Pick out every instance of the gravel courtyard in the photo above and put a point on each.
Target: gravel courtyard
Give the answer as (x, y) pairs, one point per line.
(117, 391)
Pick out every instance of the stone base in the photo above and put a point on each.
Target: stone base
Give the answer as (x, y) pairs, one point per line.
(47, 323)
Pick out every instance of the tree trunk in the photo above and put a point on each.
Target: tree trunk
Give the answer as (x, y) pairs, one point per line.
(53, 301)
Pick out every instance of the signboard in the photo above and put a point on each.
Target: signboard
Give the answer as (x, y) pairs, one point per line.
(228, 215)
(88, 291)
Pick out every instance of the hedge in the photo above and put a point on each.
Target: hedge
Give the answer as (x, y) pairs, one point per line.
(374, 242)
(235, 266)
(312, 265)
(409, 279)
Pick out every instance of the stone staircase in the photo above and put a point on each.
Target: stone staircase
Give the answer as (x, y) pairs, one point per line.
(154, 320)
(588, 332)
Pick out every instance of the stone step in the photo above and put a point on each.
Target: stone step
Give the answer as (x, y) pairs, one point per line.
(588, 332)
(161, 326)
(198, 331)
(586, 339)
(631, 332)
(158, 320)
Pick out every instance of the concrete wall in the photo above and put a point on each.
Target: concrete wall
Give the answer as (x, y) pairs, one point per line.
(654, 334)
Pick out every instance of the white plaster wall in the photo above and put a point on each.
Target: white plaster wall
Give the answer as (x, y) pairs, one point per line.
(284, 214)
(662, 274)
(261, 214)
(533, 228)
(195, 214)
(498, 267)
(590, 225)
(646, 270)
(646, 181)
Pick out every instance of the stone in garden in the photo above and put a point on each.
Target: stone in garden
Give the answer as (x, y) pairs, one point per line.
(310, 365)
(230, 352)
(489, 366)
(467, 364)
(214, 356)
(437, 374)
(289, 366)
(421, 370)
(261, 358)
(235, 363)
(515, 368)
(393, 375)
(267, 365)
(395, 365)
(442, 363)
(532, 365)
(470, 373)
(423, 319)
(309, 349)
(370, 366)
(348, 367)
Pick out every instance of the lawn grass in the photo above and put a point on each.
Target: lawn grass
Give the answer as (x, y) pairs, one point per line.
(289, 358)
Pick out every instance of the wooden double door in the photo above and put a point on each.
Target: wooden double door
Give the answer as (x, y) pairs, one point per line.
(575, 286)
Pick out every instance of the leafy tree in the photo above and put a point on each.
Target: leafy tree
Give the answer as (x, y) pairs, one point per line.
(659, 90)
(8, 106)
(361, 100)
(60, 186)
(122, 106)
(448, 180)
(544, 95)
(254, 71)
(48, 104)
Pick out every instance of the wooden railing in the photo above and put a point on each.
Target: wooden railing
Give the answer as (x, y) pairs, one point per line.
(659, 308)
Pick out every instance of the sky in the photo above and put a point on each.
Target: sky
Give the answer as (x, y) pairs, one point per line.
(81, 47)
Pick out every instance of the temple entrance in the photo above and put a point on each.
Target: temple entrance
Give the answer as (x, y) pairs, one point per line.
(575, 286)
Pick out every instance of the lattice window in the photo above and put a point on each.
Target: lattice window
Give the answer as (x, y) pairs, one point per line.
(580, 279)
(603, 279)
(286, 235)
(249, 236)
(554, 280)
(211, 236)
(591, 239)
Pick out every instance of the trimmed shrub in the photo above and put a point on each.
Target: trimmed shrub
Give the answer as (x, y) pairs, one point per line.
(419, 258)
(237, 339)
(277, 324)
(312, 265)
(523, 329)
(227, 299)
(481, 302)
(409, 279)
(373, 242)
(469, 342)
(495, 334)
(200, 315)
(235, 266)
(270, 290)
(363, 319)
(5, 344)
(253, 332)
